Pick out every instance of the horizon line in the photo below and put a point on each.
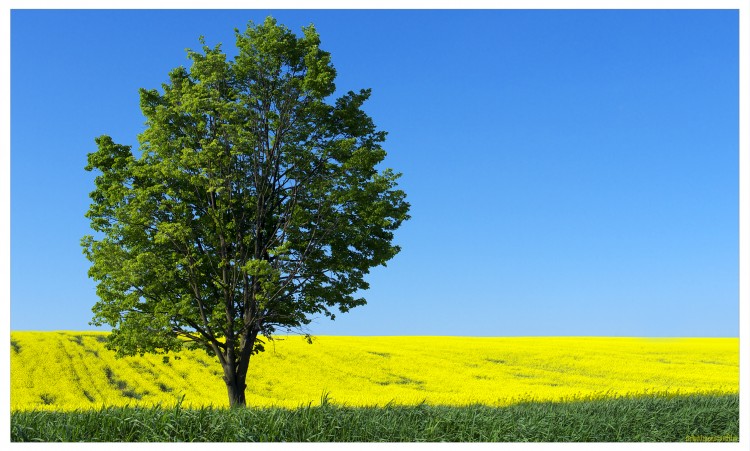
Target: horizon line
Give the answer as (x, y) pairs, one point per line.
(434, 336)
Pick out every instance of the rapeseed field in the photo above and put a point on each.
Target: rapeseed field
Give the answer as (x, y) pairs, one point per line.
(66, 371)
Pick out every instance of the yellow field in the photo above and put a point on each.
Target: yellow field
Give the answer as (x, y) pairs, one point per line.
(72, 370)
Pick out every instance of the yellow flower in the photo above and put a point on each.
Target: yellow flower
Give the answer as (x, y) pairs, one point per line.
(73, 370)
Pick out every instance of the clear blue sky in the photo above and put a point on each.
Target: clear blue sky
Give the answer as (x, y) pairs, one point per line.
(570, 172)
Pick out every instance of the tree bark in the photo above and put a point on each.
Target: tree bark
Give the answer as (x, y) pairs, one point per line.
(235, 388)
(235, 369)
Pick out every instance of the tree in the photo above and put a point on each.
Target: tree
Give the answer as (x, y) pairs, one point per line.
(252, 206)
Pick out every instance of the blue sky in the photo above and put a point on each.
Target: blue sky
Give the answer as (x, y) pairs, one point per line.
(570, 172)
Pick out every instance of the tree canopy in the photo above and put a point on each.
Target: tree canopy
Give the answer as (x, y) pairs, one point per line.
(255, 203)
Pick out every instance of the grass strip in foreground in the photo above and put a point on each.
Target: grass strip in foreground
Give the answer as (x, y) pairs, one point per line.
(641, 419)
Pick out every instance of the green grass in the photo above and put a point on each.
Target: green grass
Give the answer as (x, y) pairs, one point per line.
(642, 419)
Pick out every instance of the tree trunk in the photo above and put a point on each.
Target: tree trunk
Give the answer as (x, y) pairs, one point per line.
(235, 389)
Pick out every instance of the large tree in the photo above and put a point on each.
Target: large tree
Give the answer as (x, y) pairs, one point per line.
(254, 203)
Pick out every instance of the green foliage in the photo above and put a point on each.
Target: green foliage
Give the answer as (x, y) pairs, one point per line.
(643, 419)
(254, 202)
